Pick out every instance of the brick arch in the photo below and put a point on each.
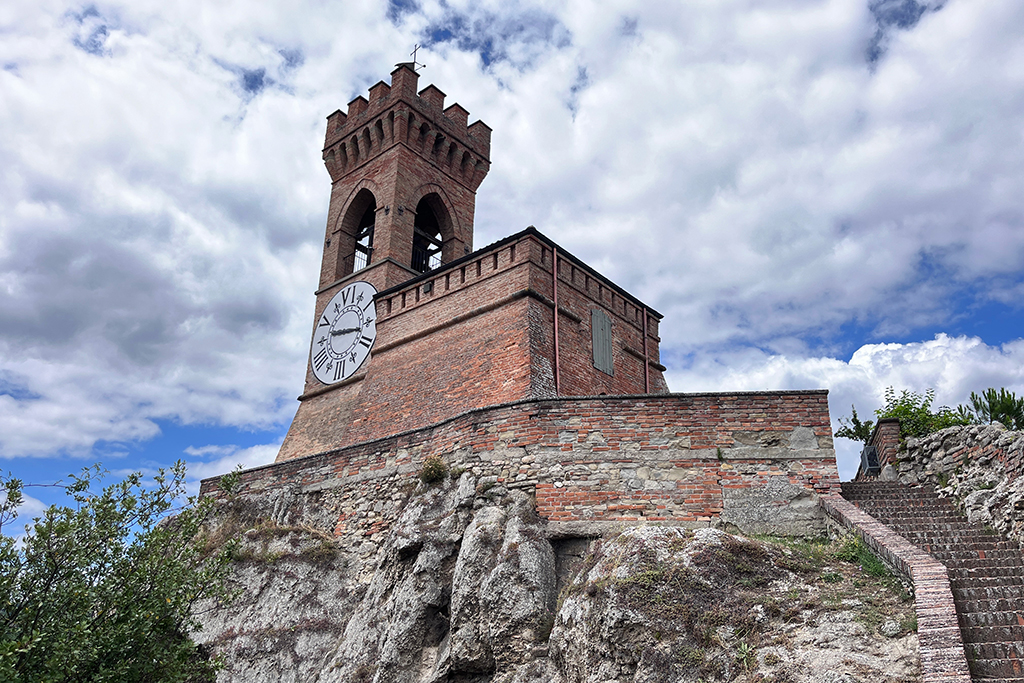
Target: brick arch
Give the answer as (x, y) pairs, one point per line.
(363, 195)
(444, 209)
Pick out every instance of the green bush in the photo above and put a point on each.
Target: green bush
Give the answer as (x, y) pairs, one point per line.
(104, 590)
(434, 470)
(913, 410)
(997, 406)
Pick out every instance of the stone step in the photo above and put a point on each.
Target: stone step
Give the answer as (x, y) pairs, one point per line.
(972, 593)
(1012, 564)
(933, 531)
(939, 516)
(960, 554)
(996, 606)
(995, 650)
(876, 485)
(938, 531)
(987, 618)
(927, 537)
(911, 497)
(982, 581)
(1001, 669)
(994, 634)
(908, 504)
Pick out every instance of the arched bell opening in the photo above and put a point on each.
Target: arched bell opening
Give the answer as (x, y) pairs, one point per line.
(431, 228)
(355, 239)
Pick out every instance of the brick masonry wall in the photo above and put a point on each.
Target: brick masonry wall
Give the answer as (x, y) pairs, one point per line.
(886, 440)
(580, 291)
(938, 631)
(756, 460)
(478, 332)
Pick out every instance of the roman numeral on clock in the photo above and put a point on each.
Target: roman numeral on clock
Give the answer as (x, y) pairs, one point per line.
(324, 321)
(320, 358)
(339, 370)
(366, 341)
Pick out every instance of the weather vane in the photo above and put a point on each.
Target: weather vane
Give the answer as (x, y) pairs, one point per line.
(415, 49)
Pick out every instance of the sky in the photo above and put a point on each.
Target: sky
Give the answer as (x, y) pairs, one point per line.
(814, 193)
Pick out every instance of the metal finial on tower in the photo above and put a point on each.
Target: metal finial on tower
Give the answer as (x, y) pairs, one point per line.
(416, 66)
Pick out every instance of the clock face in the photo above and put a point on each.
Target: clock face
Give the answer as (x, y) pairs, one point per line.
(344, 333)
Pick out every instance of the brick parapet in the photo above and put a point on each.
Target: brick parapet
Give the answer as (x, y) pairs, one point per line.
(938, 631)
(886, 440)
(584, 287)
(674, 458)
(396, 115)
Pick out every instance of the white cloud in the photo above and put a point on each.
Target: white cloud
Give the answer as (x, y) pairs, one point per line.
(229, 458)
(742, 167)
(952, 366)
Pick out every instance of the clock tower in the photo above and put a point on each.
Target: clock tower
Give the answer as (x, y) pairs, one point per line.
(404, 172)
(412, 326)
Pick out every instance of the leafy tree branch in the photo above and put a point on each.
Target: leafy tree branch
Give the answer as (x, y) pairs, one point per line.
(103, 589)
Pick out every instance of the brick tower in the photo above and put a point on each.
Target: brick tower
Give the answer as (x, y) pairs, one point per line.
(405, 172)
(412, 326)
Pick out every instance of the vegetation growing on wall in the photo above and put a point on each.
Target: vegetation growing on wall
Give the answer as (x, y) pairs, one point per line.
(998, 406)
(918, 418)
(718, 612)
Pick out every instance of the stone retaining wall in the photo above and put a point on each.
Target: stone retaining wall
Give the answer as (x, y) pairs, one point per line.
(938, 632)
(979, 466)
(754, 460)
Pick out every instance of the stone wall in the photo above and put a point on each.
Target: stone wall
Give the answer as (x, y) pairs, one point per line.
(753, 460)
(980, 466)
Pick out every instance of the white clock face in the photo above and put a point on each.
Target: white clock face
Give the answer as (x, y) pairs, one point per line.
(344, 333)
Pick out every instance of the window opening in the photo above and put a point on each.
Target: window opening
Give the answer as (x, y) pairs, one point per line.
(426, 240)
(601, 332)
(364, 237)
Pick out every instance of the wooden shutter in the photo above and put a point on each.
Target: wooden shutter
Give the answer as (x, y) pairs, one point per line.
(601, 334)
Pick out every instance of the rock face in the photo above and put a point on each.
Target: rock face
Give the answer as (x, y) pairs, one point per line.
(469, 587)
(979, 466)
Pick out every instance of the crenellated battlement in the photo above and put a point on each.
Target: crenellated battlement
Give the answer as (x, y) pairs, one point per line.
(396, 114)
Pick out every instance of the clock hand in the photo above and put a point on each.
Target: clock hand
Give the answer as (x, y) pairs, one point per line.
(335, 333)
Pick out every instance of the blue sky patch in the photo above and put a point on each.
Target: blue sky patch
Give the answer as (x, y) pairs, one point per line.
(580, 83)
(495, 38)
(895, 15)
(93, 31)
(397, 9)
(251, 81)
(10, 386)
(254, 80)
(293, 59)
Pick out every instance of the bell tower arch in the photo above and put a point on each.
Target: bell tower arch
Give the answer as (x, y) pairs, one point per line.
(404, 172)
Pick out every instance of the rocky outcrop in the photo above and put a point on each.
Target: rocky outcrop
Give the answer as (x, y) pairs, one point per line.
(470, 587)
(979, 466)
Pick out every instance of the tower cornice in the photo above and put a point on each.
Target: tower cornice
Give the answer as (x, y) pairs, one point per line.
(397, 114)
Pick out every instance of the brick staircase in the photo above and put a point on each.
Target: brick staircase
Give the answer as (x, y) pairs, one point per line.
(986, 571)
